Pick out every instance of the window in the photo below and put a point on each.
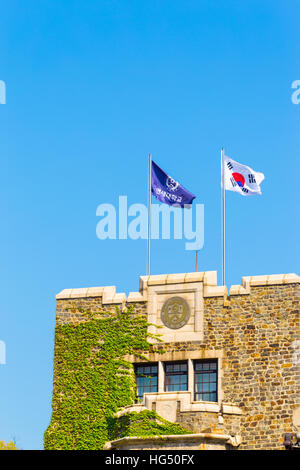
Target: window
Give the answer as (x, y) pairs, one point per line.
(205, 373)
(146, 379)
(176, 376)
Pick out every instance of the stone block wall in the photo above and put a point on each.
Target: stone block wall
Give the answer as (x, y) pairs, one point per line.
(255, 331)
(261, 373)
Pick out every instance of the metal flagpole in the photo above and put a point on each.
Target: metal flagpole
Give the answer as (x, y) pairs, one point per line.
(149, 211)
(224, 227)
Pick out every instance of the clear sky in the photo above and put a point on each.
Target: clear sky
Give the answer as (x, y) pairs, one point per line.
(92, 88)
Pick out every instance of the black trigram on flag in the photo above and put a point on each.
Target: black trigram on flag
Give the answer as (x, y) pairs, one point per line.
(240, 178)
(251, 178)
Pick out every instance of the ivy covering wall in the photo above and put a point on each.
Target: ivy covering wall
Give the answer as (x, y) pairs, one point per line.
(145, 423)
(92, 381)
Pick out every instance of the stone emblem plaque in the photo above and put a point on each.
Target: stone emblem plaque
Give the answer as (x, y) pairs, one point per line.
(175, 313)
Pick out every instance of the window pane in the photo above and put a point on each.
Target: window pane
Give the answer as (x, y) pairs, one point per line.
(176, 376)
(213, 387)
(146, 379)
(205, 380)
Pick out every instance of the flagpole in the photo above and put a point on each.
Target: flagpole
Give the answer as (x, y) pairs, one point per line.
(149, 212)
(224, 227)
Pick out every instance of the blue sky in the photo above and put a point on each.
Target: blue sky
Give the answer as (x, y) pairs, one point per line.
(93, 88)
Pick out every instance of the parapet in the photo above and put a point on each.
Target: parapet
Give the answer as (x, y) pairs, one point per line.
(208, 278)
(108, 294)
(269, 280)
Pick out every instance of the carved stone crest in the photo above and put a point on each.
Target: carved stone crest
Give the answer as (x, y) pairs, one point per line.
(175, 313)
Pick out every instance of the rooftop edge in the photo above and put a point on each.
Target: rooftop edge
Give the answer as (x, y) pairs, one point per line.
(209, 279)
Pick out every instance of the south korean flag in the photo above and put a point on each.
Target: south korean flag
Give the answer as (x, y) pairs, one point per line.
(241, 178)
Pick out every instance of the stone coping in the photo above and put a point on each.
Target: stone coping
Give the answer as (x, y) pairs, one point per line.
(108, 294)
(185, 405)
(234, 441)
(209, 279)
(268, 280)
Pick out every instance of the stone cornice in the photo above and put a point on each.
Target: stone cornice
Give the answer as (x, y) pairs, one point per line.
(175, 438)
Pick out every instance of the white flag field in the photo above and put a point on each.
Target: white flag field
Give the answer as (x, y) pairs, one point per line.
(241, 178)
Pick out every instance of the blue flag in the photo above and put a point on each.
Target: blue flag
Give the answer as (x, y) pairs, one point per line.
(167, 190)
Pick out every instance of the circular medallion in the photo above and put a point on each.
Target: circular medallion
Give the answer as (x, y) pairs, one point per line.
(175, 313)
(172, 184)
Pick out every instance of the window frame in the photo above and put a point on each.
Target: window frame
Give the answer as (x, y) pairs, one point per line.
(179, 373)
(209, 382)
(139, 398)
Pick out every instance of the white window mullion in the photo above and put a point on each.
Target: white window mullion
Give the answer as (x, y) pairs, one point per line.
(191, 378)
(161, 377)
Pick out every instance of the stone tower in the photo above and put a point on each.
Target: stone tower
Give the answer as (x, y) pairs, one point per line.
(230, 368)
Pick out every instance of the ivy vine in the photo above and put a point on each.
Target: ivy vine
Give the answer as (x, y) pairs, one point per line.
(93, 380)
